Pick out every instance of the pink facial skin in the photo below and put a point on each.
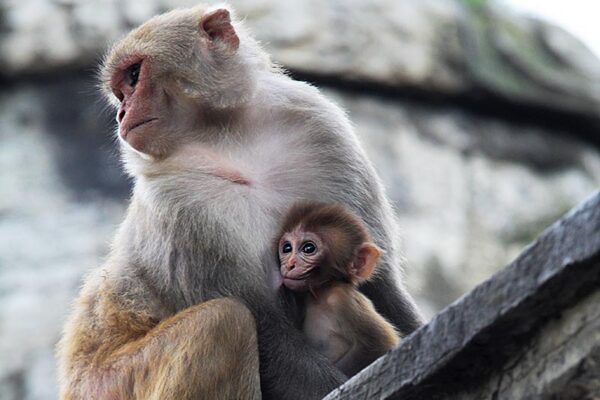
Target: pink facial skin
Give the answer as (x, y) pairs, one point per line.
(300, 254)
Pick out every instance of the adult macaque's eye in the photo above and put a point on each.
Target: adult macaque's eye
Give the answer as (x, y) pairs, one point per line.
(286, 248)
(309, 248)
(133, 74)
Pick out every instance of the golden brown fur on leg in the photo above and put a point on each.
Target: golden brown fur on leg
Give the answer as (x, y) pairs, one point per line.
(206, 351)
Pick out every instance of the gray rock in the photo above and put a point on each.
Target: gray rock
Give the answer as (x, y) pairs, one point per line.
(433, 46)
(530, 62)
(48, 239)
(469, 192)
(496, 342)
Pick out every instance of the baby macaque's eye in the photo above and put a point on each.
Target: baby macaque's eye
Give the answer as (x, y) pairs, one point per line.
(286, 248)
(309, 248)
(133, 74)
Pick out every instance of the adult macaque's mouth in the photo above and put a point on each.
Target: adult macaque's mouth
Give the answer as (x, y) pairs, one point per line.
(137, 125)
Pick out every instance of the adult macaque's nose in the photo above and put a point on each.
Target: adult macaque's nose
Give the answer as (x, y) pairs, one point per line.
(120, 115)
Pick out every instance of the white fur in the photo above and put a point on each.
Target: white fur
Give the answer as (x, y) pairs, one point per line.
(287, 140)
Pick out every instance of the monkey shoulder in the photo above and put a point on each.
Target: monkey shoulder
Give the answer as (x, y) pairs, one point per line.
(300, 101)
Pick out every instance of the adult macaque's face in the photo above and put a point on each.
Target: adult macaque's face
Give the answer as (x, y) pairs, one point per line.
(139, 107)
(153, 118)
(164, 79)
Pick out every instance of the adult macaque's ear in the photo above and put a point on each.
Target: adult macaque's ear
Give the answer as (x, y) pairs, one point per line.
(217, 25)
(365, 260)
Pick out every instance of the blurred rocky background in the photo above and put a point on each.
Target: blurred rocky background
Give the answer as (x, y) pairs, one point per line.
(484, 125)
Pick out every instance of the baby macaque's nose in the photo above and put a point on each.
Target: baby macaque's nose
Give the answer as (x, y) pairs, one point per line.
(291, 264)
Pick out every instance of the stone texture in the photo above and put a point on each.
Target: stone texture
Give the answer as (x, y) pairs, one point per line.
(561, 361)
(430, 45)
(529, 62)
(469, 192)
(49, 236)
(496, 342)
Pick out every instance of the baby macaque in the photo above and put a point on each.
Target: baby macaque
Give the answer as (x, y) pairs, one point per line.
(325, 251)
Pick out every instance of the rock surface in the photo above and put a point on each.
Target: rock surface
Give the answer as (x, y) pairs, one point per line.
(54, 225)
(430, 45)
(482, 124)
(532, 331)
(470, 192)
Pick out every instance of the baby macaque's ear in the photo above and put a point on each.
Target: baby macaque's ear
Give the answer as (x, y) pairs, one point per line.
(365, 261)
(218, 27)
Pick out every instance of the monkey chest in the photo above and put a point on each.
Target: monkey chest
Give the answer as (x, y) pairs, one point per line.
(247, 190)
(324, 333)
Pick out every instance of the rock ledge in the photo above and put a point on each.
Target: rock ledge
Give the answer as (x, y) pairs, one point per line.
(531, 331)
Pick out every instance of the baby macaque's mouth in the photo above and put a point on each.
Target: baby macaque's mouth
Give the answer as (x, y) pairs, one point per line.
(302, 278)
(295, 283)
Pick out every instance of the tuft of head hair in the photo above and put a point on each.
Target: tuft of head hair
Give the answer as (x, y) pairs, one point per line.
(313, 216)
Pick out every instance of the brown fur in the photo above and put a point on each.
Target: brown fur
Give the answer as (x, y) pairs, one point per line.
(357, 320)
(109, 352)
(340, 321)
(338, 227)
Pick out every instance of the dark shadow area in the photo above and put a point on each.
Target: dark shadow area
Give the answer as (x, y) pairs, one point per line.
(477, 101)
(75, 116)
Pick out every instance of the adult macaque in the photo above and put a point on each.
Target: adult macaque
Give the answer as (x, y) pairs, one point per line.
(325, 252)
(220, 143)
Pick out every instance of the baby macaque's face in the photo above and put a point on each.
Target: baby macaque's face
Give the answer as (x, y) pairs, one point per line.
(301, 257)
